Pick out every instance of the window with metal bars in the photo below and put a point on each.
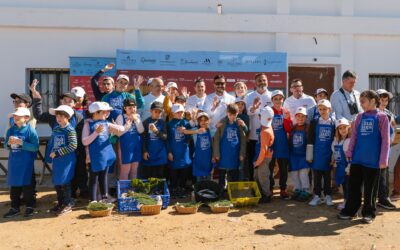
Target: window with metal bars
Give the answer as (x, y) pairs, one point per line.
(52, 83)
(392, 84)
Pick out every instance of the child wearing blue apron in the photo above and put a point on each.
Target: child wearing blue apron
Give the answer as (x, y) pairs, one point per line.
(322, 132)
(339, 148)
(383, 189)
(95, 135)
(299, 167)
(202, 161)
(63, 144)
(229, 146)
(130, 143)
(369, 152)
(178, 149)
(154, 143)
(22, 141)
(281, 125)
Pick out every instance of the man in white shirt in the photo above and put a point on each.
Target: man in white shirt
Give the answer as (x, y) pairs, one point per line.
(157, 86)
(297, 99)
(215, 104)
(254, 102)
(197, 101)
(346, 100)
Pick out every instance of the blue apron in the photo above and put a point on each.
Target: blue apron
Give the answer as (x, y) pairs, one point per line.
(298, 150)
(341, 163)
(20, 162)
(63, 166)
(117, 103)
(156, 147)
(101, 151)
(49, 144)
(130, 145)
(322, 147)
(368, 147)
(258, 145)
(230, 147)
(281, 144)
(202, 165)
(179, 145)
(11, 121)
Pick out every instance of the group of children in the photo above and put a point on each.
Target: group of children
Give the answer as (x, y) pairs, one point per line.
(182, 148)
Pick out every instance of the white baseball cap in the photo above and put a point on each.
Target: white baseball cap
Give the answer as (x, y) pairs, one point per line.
(384, 91)
(301, 110)
(342, 121)
(320, 90)
(22, 112)
(177, 108)
(78, 92)
(325, 103)
(277, 92)
(201, 114)
(266, 114)
(123, 77)
(65, 108)
(97, 106)
(172, 85)
(240, 99)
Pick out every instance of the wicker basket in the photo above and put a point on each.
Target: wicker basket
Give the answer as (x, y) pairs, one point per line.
(150, 209)
(101, 213)
(219, 210)
(186, 210)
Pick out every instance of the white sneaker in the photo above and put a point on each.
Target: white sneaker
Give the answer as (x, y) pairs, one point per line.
(341, 206)
(315, 201)
(328, 200)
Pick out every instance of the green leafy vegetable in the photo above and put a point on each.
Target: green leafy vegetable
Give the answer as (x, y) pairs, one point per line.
(99, 206)
(221, 203)
(188, 204)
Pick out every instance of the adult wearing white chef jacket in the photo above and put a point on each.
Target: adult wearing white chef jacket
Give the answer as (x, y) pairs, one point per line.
(297, 99)
(197, 101)
(254, 102)
(215, 103)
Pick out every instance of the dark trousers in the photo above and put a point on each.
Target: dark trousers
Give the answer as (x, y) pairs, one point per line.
(102, 178)
(15, 196)
(227, 174)
(383, 186)
(178, 177)
(249, 167)
(362, 176)
(283, 172)
(326, 176)
(80, 180)
(152, 171)
(64, 194)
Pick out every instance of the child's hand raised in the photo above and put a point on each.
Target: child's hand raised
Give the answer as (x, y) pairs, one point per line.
(108, 67)
(137, 81)
(286, 115)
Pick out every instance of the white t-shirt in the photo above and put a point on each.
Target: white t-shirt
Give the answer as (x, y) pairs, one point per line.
(220, 112)
(195, 102)
(265, 99)
(148, 100)
(292, 104)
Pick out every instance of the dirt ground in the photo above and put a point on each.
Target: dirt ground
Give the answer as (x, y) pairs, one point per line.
(279, 225)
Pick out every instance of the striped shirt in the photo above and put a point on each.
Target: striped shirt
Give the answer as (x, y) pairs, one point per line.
(72, 142)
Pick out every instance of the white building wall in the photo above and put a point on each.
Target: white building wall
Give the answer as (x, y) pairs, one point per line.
(363, 35)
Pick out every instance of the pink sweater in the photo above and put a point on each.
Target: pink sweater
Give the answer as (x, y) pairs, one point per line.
(383, 128)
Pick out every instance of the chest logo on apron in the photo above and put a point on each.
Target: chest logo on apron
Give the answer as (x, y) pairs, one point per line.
(337, 155)
(16, 147)
(277, 123)
(204, 143)
(231, 135)
(367, 126)
(325, 134)
(116, 102)
(59, 141)
(297, 140)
